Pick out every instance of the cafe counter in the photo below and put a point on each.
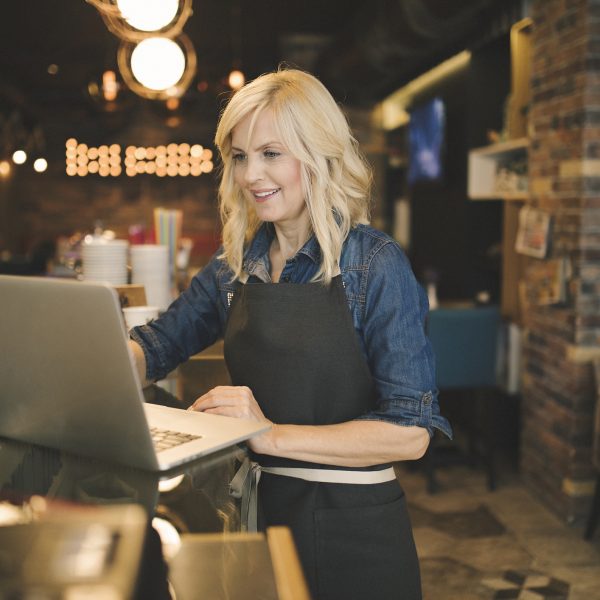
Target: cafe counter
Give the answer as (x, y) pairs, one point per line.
(191, 524)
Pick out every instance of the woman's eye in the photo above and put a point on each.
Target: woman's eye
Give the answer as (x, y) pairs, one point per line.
(271, 154)
(238, 156)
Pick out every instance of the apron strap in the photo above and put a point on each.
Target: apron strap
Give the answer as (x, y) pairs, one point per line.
(335, 475)
(244, 484)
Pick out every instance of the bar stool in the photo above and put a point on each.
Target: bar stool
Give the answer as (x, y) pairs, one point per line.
(595, 508)
(465, 344)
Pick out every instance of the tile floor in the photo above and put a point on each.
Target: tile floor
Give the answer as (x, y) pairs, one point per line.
(475, 544)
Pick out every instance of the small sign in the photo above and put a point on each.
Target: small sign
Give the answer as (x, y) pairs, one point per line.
(534, 232)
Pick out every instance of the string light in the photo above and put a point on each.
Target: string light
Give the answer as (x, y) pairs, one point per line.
(172, 160)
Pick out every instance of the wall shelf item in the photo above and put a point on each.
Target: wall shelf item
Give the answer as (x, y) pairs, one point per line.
(533, 233)
(499, 171)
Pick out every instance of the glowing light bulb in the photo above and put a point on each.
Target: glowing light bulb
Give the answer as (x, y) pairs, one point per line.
(158, 63)
(19, 157)
(236, 79)
(40, 165)
(148, 15)
(110, 87)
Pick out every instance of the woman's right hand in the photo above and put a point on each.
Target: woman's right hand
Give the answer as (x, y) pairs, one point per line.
(234, 401)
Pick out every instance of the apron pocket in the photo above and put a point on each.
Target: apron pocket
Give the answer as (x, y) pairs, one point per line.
(365, 551)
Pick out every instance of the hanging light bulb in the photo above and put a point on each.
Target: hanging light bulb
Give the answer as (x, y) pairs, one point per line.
(132, 20)
(148, 15)
(172, 103)
(236, 79)
(158, 67)
(110, 86)
(19, 157)
(40, 165)
(157, 63)
(109, 93)
(4, 168)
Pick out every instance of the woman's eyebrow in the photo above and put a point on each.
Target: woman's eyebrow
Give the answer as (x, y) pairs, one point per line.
(261, 147)
(272, 143)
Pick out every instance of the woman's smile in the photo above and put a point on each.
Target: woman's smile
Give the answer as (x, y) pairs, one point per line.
(263, 196)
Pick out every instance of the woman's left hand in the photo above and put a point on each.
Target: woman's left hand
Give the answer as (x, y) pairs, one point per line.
(233, 401)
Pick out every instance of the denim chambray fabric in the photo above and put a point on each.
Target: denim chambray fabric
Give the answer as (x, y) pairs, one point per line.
(387, 305)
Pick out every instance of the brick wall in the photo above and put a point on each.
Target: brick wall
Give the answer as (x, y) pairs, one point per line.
(43, 206)
(564, 167)
(52, 205)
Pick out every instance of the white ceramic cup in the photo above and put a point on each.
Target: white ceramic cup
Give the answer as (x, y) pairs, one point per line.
(139, 315)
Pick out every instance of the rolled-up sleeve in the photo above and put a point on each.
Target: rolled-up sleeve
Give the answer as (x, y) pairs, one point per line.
(190, 324)
(399, 354)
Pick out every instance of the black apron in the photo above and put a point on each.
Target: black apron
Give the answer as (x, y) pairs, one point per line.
(295, 347)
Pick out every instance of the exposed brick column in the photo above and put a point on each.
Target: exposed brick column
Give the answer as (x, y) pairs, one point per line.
(564, 167)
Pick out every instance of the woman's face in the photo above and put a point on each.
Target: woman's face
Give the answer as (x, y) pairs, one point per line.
(267, 173)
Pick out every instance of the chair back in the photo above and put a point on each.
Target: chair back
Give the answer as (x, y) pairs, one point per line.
(465, 344)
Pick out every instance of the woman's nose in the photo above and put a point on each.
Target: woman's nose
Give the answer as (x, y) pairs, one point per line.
(254, 171)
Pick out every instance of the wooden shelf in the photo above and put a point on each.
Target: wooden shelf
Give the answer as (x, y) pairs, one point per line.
(486, 162)
(512, 196)
(503, 147)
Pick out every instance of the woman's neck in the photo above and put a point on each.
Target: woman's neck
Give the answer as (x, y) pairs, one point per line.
(285, 245)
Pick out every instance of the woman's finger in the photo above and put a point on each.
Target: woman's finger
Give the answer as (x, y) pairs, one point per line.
(236, 401)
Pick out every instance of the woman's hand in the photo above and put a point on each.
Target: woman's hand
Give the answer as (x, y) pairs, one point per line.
(234, 401)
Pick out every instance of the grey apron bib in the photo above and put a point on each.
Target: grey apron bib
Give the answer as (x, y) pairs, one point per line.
(295, 347)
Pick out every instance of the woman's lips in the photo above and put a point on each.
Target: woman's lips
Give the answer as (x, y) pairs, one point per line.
(263, 195)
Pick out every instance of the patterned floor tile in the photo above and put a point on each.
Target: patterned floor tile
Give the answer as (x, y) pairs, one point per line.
(480, 545)
(528, 586)
(479, 522)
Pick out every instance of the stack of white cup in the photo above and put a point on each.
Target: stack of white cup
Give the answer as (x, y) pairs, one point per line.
(150, 268)
(105, 260)
(139, 315)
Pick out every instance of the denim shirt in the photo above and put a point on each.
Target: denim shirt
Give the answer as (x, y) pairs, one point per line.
(387, 305)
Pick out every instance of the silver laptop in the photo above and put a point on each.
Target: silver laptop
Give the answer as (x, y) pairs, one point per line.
(68, 380)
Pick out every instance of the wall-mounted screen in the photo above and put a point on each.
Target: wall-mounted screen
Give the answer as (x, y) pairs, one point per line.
(426, 130)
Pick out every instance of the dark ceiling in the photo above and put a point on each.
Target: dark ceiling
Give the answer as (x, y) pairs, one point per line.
(361, 50)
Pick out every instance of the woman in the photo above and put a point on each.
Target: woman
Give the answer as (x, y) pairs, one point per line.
(322, 321)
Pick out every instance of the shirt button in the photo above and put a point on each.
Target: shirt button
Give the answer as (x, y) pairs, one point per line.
(285, 279)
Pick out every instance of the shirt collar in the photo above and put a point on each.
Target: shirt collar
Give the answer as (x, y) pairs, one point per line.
(257, 254)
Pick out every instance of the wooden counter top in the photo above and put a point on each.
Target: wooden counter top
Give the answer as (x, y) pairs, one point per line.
(238, 566)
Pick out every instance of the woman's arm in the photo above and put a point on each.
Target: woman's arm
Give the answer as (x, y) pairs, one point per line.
(140, 361)
(192, 322)
(350, 444)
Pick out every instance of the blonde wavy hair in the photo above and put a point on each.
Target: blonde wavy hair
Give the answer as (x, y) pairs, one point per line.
(336, 179)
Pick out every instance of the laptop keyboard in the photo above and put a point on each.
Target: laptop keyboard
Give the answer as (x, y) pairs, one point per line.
(164, 439)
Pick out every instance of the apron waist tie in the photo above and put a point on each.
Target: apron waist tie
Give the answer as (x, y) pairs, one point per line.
(244, 484)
